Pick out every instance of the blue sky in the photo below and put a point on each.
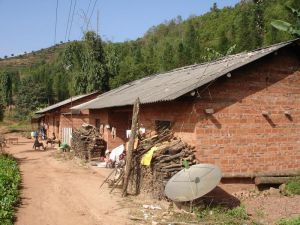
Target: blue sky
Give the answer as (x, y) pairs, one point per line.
(28, 25)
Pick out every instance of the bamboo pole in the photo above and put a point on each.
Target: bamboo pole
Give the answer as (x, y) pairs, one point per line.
(134, 128)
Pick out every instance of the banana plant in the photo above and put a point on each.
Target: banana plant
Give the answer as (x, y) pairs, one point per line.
(293, 29)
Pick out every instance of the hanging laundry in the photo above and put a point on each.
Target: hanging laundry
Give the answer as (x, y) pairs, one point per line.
(128, 132)
(141, 130)
(101, 129)
(114, 132)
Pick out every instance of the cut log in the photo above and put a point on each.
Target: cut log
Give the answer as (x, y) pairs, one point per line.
(172, 166)
(271, 180)
(169, 158)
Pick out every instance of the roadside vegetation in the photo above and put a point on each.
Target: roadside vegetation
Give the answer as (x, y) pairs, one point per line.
(293, 186)
(224, 215)
(293, 221)
(10, 180)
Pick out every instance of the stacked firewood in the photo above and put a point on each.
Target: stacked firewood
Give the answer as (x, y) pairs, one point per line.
(88, 143)
(169, 158)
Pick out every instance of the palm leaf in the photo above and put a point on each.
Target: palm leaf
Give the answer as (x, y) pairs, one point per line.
(282, 25)
(294, 11)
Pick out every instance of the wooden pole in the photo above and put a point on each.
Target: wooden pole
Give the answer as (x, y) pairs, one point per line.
(133, 134)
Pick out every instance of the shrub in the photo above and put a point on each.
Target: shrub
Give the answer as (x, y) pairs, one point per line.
(223, 215)
(9, 188)
(294, 221)
(293, 186)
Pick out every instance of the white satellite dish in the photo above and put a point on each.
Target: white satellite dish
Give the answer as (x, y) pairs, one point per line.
(192, 183)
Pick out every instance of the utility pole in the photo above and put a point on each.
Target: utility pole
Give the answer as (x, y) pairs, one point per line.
(97, 21)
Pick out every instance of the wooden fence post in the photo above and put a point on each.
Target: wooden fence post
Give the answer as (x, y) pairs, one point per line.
(134, 127)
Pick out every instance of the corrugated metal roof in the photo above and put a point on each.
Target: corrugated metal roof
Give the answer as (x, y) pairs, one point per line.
(171, 85)
(64, 102)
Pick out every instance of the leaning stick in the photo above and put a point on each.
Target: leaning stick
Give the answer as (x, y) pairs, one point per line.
(108, 177)
(116, 183)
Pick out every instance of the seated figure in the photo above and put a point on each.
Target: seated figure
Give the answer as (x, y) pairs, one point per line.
(38, 144)
(52, 140)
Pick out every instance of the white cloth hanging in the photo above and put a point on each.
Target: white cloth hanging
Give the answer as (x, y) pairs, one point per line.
(142, 131)
(114, 132)
(101, 129)
(116, 152)
(128, 132)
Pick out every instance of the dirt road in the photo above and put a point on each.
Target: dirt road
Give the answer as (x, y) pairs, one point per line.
(61, 193)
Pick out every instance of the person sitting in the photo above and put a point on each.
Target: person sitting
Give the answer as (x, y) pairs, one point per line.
(38, 144)
(51, 140)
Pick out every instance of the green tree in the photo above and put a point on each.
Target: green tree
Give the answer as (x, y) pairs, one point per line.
(112, 53)
(150, 62)
(257, 25)
(94, 63)
(86, 63)
(192, 45)
(30, 97)
(6, 87)
(181, 56)
(168, 57)
(214, 7)
(2, 109)
(223, 43)
(243, 37)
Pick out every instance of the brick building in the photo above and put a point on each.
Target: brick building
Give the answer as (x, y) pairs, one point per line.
(242, 112)
(60, 120)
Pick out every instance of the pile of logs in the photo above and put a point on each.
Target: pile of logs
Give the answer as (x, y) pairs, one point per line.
(171, 155)
(167, 160)
(88, 143)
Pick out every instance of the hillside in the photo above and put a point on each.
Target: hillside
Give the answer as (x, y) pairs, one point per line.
(30, 59)
(218, 29)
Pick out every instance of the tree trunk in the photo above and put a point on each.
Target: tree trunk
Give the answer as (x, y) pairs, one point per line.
(134, 129)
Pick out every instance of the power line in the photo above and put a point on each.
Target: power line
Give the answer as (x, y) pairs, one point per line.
(97, 22)
(91, 13)
(70, 9)
(87, 13)
(55, 21)
(72, 19)
(88, 9)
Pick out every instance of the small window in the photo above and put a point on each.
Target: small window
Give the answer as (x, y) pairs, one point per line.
(97, 123)
(161, 125)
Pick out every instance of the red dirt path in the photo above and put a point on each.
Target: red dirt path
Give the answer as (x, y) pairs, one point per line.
(61, 192)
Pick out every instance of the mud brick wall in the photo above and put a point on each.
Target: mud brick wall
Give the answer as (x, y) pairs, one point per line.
(118, 118)
(55, 117)
(237, 136)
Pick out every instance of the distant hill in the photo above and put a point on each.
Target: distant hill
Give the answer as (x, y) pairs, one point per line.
(32, 58)
(83, 66)
(246, 25)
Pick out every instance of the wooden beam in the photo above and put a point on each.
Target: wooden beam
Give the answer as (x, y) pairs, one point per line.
(134, 129)
(287, 173)
(271, 180)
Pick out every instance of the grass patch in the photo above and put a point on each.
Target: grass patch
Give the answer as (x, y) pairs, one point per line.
(10, 180)
(12, 125)
(293, 186)
(223, 215)
(294, 221)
